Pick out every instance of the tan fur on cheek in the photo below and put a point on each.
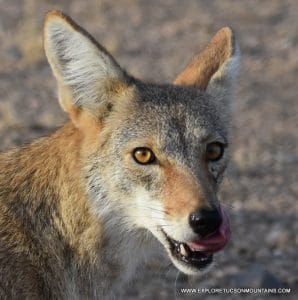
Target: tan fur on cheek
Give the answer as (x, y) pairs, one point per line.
(181, 194)
(88, 127)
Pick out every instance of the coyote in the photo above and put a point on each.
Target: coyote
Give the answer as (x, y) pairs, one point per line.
(136, 167)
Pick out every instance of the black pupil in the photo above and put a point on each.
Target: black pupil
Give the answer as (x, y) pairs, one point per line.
(144, 152)
(214, 151)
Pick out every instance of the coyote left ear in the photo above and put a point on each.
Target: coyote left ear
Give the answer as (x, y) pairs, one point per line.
(87, 75)
(215, 68)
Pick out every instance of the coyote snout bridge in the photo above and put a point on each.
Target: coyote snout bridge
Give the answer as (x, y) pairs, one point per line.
(136, 164)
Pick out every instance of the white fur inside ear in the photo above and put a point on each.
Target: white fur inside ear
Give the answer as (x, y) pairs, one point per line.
(79, 63)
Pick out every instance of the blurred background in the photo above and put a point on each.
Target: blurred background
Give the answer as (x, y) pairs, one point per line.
(154, 40)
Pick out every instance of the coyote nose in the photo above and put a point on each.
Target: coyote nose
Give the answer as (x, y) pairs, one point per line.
(205, 222)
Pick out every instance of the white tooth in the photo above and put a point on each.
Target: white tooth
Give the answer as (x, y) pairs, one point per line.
(182, 250)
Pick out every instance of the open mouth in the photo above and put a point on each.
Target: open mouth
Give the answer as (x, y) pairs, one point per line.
(183, 253)
(198, 253)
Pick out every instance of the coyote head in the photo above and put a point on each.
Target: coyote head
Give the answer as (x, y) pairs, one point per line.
(153, 155)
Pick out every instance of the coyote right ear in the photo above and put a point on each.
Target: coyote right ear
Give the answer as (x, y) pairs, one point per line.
(215, 68)
(87, 74)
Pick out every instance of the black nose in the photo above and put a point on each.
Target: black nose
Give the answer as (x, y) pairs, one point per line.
(205, 222)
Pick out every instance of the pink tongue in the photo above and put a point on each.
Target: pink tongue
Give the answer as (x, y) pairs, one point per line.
(215, 242)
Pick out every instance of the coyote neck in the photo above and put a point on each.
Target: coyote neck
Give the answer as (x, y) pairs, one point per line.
(45, 184)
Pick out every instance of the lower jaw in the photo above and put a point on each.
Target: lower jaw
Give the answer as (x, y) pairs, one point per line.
(194, 261)
(190, 269)
(182, 255)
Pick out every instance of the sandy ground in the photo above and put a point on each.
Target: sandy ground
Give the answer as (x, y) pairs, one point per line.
(154, 40)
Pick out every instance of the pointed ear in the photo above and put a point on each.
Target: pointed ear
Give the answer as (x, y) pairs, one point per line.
(215, 68)
(87, 74)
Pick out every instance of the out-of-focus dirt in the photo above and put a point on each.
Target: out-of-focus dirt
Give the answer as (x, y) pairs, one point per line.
(154, 40)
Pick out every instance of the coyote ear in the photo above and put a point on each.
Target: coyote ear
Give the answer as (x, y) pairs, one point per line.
(86, 73)
(215, 68)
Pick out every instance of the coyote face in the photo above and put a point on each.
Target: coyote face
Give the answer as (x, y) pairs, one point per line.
(154, 154)
(163, 159)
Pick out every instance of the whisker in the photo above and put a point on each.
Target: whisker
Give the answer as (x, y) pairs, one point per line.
(147, 207)
(141, 216)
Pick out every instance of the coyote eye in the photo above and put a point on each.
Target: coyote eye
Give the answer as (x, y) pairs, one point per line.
(143, 155)
(214, 151)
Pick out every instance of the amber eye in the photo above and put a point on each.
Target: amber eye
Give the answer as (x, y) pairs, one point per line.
(143, 155)
(214, 151)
